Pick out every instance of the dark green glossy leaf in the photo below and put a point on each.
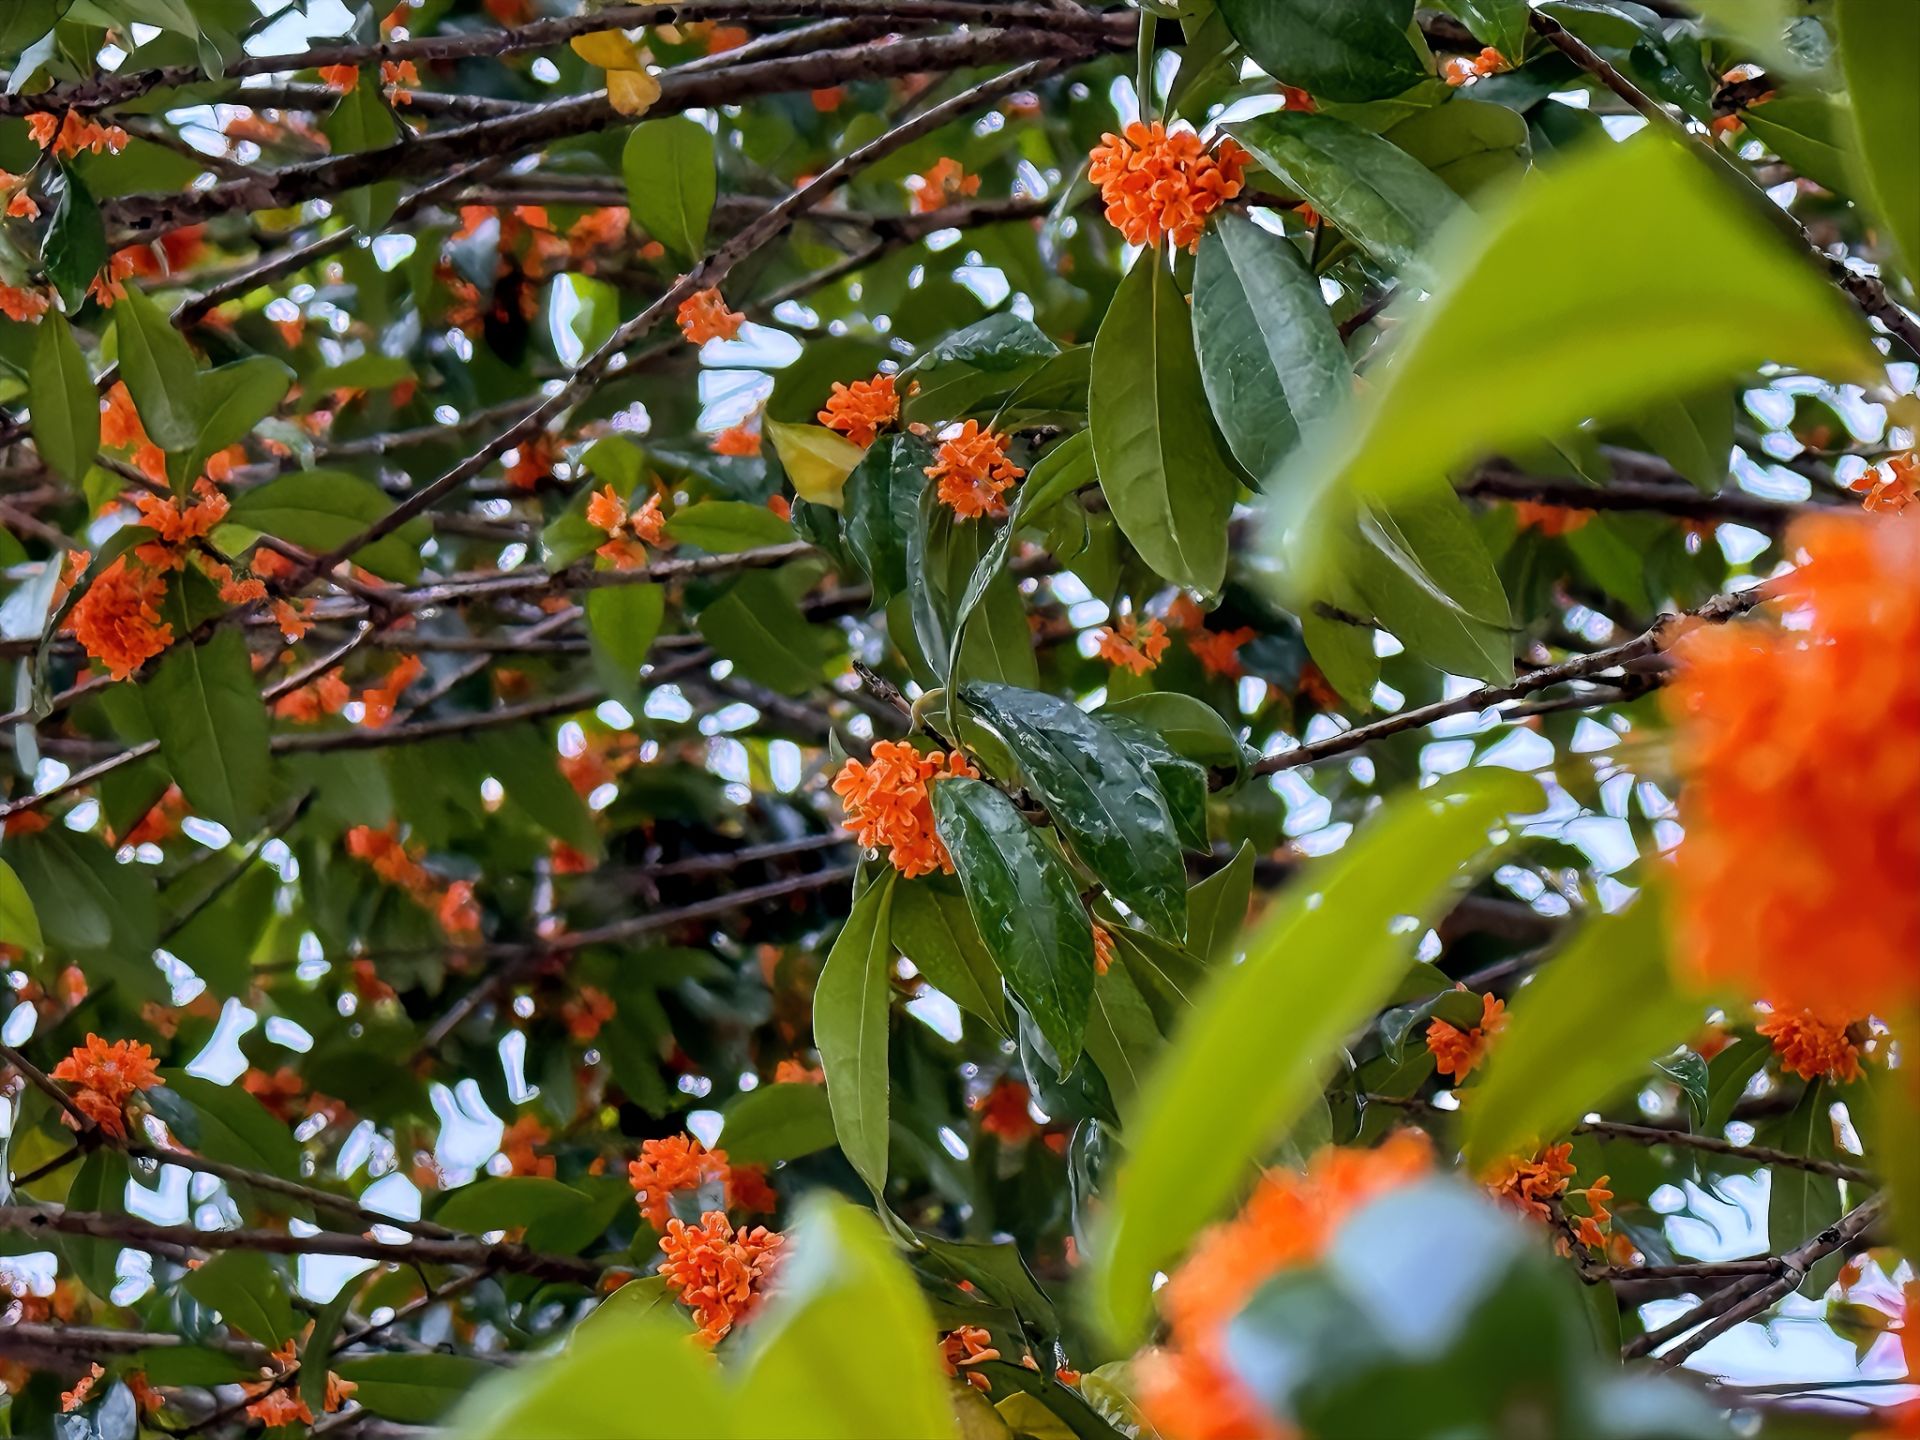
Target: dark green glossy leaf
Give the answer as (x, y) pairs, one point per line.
(1386, 201)
(1272, 361)
(1217, 906)
(233, 400)
(159, 369)
(76, 246)
(933, 928)
(1693, 434)
(246, 1288)
(19, 925)
(226, 1123)
(850, 1029)
(1026, 907)
(724, 527)
(1101, 797)
(1801, 1203)
(66, 412)
(1499, 23)
(1159, 462)
(757, 626)
(883, 508)
(1336, 49)
(1425, 573)
(1468, 143)
(211, 723)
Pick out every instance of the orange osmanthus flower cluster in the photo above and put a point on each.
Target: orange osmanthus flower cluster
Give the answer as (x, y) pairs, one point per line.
(973, 472)
(1549, 519)
(453, 905)
(704, 316)
(1533, 1185)
(1158, 182)
(1102, 950)
(105, 1074)
(888, 808)
(968, 1345)
(628, 534)
(1004, 1112)
(518, 1142)
(1811, 1047)
(738, 440)
(273, 1402)
(719, 1272)
(1801, 794)
(860, 411)
(1459, 69)
(670, 1166)
(1456, 1051)
(67, 135)
(1891, 487)
(1187, 1389)
(941, 184)
(1132, 645)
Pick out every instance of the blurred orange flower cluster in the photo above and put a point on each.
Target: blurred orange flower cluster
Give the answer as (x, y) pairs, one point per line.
(1799, 746)
(1187, 1390)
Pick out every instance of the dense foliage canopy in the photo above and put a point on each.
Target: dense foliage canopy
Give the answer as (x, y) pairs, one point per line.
(921, 718)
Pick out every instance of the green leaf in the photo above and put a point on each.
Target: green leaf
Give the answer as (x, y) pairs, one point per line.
(363, 121)
(100, 1186)
(222, 938)
(1878, 41)
(1267, 1031)
(1123, 1037)
(757, 626)
(225, 1123)
(93, 906)
(1191, 726)
(622, 622)
(724, 527)
(66, 411)
(1159, 462)
(26, 21)
(1064, 470)
(19, 925)
(316, 1351)
(1386, 201)
(1345, 655)
(999, 1273)
(161, 374)
(1334, 49)
(233, 400)
(1217, 906)
(1025, 906)
(1469, 144)
(933, 928)
(589, 1388)
(1269, 353)
(883, 508)
(418, 1389)
(671, 182)
(1693, 434)
(210, 721)
(1472, 373)
(507, 1202)
(1100, 796)
(1499, 23)
(522, 758)
(778, 1122)
(76, 245)
(1809, 133)
(850, 1029)
(246, 1288)
(320, 509)
(1800, 1203)
(1588, 1029)
(1424, 571)
(843, 1348)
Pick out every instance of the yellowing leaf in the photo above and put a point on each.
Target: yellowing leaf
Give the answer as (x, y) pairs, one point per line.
(816, 460)
(609, 49)
(632, 92)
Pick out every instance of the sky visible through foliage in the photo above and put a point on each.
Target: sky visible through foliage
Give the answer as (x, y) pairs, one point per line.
(934, 718)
